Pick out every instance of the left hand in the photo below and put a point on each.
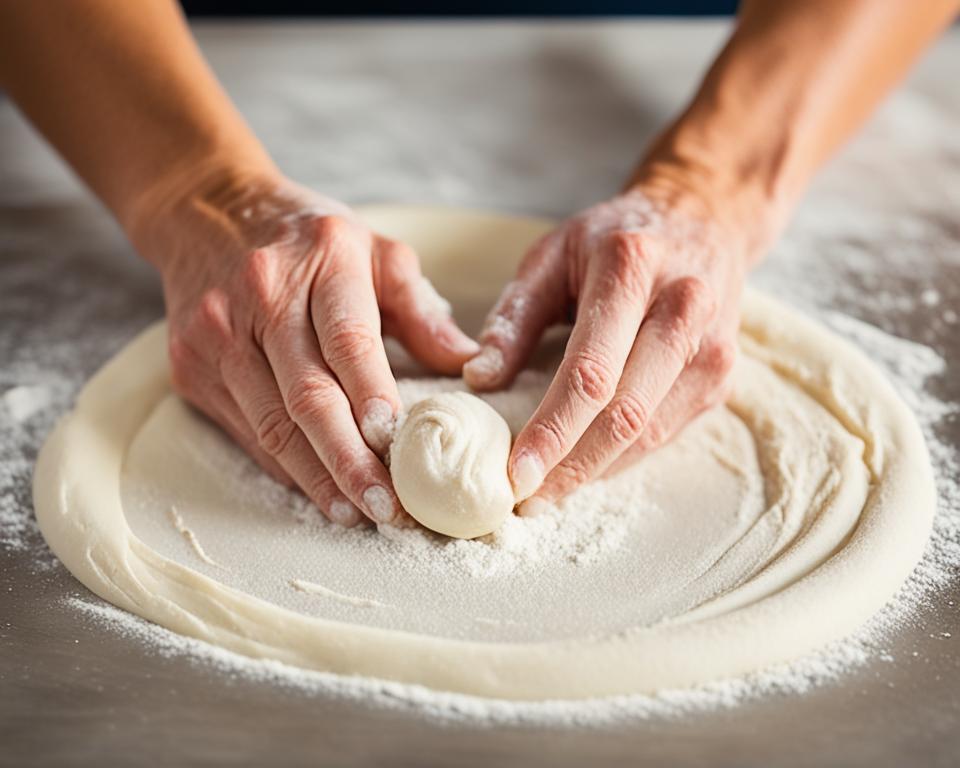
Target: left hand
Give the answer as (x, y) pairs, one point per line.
(654, 279)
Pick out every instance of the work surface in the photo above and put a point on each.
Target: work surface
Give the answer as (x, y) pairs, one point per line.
(532, 118)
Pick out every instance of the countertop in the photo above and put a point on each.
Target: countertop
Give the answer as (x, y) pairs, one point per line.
(528, 117)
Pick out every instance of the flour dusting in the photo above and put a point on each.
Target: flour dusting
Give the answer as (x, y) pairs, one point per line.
(828, 262)
(523, 545)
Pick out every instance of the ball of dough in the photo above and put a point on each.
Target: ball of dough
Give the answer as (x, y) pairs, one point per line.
(449, 465)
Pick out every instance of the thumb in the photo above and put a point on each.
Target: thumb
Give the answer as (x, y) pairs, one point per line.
(527, 306)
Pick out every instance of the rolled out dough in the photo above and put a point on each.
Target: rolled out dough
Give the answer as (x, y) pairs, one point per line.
(772, 526)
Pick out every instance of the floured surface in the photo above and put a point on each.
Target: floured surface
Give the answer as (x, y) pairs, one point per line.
(607, 555)
(810, 494)
(868, 244)
(643, 547)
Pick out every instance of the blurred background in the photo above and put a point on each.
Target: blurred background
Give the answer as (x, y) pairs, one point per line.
(459, 7)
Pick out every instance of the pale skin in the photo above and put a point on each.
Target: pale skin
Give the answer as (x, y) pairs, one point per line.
(278, 298)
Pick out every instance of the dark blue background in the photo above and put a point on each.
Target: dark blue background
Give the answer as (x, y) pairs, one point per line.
(460, 7)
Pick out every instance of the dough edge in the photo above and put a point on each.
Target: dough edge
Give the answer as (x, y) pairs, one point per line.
(77, 501)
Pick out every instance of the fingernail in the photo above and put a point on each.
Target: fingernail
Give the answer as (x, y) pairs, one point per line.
(379, 504)
(485, 367)
(527, 475)
(533, 506)
(377, 424)
(342, 512)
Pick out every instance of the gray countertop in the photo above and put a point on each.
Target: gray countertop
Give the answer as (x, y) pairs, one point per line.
(526, 117)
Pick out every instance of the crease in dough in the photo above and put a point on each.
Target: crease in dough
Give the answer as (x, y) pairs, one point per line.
(312, 588)
(190, 537)
(822, 587)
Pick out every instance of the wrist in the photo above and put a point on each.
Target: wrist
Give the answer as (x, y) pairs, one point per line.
(712, 187)
(190, 202)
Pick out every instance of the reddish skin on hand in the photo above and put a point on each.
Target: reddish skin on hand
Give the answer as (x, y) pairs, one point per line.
(655, 287)
(275, 297)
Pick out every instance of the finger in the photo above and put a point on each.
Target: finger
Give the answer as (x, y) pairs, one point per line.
(616, 289)
(251, 384)
(702, 386)
(415, 314)
(668, 341)
(343, 307)
(319, 407)
(197, 381)
(228, 415)
(536, 299)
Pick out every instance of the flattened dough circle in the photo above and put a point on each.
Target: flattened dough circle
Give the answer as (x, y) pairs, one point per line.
(827, 578)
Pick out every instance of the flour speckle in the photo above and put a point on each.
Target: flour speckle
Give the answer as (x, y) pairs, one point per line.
(24, 401)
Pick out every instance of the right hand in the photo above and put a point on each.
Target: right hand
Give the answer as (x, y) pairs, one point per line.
(275, 298)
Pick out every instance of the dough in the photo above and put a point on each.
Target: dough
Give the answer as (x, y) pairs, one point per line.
(449, 465)
(770, 527)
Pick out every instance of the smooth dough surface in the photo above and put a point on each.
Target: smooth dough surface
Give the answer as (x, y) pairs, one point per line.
(772, 526)
(449, 465)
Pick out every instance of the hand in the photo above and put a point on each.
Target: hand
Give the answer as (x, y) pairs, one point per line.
(655, 282)
(275, 298)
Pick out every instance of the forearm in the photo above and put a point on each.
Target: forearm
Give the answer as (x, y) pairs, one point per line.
(793, 82)
(121, 91)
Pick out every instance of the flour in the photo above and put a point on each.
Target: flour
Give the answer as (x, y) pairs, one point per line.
(487, 365)
(828, 264)
(802, 676)
(24, 401)
(520, 546)
(523, 544)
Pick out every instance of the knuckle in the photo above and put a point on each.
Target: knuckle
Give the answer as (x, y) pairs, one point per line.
(320, 488)
(718, 358)
(627, 416)
(348, 470)
(591, 378)
(685, 316)
(309, 397)
(275, 430)
(347, 341)
(213, 316)
(626, 244)
(259, 277)
(332, 227)
(548, 436)
(341, 463)
(694, 299)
